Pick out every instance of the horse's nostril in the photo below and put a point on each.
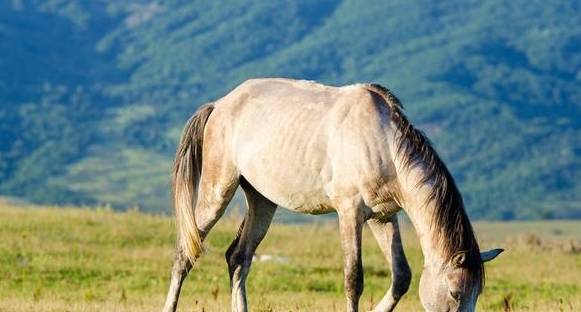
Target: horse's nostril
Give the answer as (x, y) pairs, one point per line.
(455, 295)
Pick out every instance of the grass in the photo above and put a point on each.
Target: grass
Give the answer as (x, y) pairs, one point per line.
(70, 259)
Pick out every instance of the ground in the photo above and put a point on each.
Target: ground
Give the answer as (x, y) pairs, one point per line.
(73, 259)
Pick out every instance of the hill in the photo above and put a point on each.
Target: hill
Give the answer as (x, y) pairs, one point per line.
(93, 94)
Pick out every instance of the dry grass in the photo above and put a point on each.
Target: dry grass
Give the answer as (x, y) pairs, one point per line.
(85, 260)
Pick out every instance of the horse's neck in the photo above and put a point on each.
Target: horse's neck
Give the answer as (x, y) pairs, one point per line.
(415, 201)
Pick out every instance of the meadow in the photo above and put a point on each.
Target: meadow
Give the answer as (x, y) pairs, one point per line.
(79, 259)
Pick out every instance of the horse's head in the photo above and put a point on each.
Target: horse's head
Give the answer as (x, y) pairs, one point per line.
(454, 286)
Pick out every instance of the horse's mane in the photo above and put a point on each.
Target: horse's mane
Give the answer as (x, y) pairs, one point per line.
(450, 225)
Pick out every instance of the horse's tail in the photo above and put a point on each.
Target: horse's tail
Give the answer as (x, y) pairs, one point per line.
(187, 171)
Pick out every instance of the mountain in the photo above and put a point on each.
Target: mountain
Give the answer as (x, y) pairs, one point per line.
(94, 94)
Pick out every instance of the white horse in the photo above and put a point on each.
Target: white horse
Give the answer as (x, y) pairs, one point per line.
(315, 149)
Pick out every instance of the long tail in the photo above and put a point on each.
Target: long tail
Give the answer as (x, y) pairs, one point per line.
(186, 177)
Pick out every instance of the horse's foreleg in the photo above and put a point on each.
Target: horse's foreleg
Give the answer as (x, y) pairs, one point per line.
(350, 226)
(240, 253)
(389, 240)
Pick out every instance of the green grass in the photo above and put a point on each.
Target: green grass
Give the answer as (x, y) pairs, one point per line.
(69, 259)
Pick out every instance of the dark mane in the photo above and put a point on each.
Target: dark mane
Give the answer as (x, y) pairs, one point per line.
(451, 229)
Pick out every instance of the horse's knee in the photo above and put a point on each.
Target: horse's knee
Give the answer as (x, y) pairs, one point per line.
(359, 285)
(354, 281)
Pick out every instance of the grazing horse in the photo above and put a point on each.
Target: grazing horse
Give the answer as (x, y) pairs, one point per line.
(316, 149)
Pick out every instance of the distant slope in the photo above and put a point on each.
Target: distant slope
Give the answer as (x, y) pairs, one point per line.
(93, 95)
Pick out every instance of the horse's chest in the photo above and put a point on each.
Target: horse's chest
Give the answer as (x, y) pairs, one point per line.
(384, 211)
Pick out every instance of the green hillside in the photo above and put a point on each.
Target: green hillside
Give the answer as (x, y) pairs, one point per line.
(93, 94)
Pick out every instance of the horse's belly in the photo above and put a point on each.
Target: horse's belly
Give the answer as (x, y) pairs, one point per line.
(292, 176)
(288, 166)
(295, 188)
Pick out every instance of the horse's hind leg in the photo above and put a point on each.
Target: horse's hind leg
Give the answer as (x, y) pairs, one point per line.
(389, 240)
(217, 187)
(180, 269)
(240, 253)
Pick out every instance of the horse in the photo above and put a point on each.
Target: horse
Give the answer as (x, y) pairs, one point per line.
(316, 149)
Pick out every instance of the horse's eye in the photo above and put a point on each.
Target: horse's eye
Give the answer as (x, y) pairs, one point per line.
(455, 295)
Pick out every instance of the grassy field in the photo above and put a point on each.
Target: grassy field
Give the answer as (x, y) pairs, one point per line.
(96, 260)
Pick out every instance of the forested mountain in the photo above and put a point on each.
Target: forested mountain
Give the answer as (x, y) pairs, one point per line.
(94, 94)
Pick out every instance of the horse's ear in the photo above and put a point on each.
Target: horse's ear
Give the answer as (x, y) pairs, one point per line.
(490, 254)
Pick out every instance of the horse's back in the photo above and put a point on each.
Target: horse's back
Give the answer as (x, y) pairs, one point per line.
(301, 143)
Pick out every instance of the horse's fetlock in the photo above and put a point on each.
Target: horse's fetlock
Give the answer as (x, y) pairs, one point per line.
(401, 284)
